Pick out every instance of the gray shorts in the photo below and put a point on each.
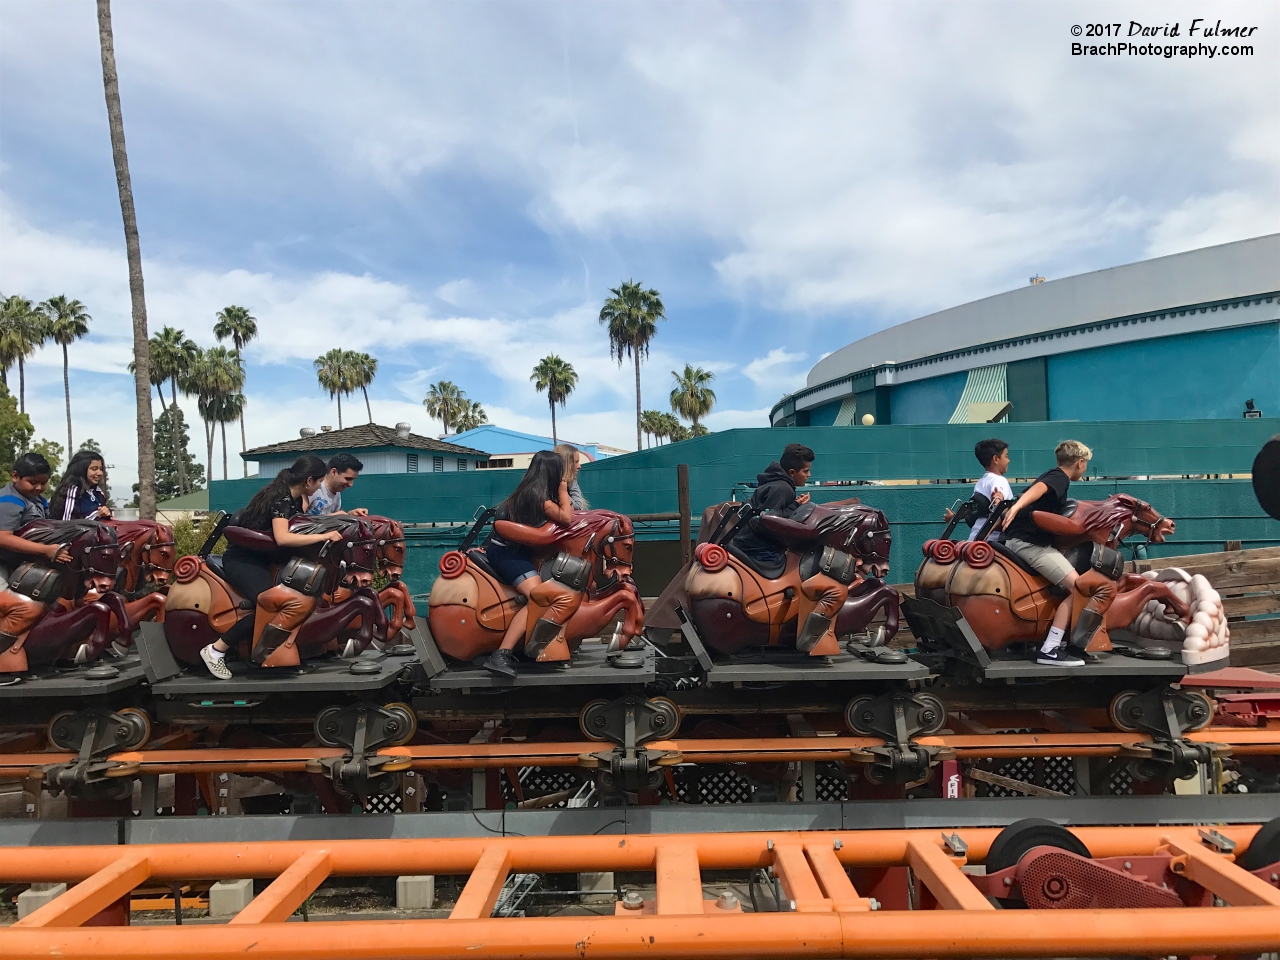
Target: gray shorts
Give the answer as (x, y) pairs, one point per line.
(1047, 561)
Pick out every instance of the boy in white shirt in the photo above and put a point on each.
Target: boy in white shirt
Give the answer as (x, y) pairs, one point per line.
(343, 470)
(994, 456)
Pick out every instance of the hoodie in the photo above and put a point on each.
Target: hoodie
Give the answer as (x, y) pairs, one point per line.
(775, 492)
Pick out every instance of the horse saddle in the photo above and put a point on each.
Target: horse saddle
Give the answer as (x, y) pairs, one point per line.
(770, 571)
(250, 539)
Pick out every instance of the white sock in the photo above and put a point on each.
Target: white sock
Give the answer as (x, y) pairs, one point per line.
(221, 654)
(1053, 641)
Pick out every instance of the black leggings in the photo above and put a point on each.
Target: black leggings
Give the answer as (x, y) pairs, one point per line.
(249, 572)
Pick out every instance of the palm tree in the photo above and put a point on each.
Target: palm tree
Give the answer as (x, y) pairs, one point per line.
(363, 369)
(472, 416)
(333, 370)
(172, 354)
(651, 423)
(631, 314)
(137, 294)
(672, 429)
(558, 379)
(23, 330)
(444, 402)
(68, 321)
(215, 375)
(237, 324)
(229, 409)
(691, 397)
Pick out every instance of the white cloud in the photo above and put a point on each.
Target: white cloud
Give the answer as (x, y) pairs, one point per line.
(776, 370)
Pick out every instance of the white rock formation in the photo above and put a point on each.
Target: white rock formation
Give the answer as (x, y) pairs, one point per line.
(1205, 636)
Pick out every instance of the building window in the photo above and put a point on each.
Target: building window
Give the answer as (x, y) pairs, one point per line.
(492, 464)
(413, 463)
(437, 464)
(462, 464)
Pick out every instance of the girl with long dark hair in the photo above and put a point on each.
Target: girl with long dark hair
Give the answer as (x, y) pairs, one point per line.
(541, 495)
(79, 496)
(249, 571)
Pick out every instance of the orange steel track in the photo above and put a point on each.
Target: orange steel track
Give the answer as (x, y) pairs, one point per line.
(1242, 741)
(829, 918)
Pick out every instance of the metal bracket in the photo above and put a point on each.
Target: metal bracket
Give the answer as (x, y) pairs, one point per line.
(1165, 714)
(898, 718)
(94, 735)
(363, 728)
(934, 625)
(690, 634)
(424, 644)
(153, 648)
(629, 723)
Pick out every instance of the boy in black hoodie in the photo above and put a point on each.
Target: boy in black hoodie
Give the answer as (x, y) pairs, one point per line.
(776, 493)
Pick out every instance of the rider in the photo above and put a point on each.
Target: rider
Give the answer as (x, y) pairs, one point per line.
(993, 454)
(572, 464)
(80, 496)
(249, 571)
(776, 492)
(541, 495)
(21, 501)
(1035, 545)
(327, 499)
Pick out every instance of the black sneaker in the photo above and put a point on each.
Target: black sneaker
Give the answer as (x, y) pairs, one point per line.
(502, 662)
(1063, 656)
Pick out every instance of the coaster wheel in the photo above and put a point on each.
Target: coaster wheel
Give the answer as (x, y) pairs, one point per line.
(1264, 848)
(586, 720)
(141, 724)
(666, 708)
(61, 738)
(1207, 713)
(1013, 842)
(1118, 711)
(929, 702)
(853, 715)
(327, 726)
(406, 719)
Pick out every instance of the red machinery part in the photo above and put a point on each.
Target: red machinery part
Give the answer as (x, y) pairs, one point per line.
(1049, 878)
(452, 564)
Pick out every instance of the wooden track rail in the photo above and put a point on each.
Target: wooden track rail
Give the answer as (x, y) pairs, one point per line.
(1242, 741)
(829, 915)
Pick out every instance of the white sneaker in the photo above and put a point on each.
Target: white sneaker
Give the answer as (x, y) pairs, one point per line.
(217, 665)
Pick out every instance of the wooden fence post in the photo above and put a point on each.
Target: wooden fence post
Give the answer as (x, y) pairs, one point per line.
(682, 492)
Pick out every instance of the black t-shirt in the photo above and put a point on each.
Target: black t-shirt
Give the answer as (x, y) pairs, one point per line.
(1023, 527)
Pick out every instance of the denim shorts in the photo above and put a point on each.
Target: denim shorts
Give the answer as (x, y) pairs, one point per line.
(510, 565)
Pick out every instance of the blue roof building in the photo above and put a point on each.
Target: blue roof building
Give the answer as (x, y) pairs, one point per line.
(513, 449)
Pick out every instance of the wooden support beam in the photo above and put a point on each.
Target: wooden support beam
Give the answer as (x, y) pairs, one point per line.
(93, 894)
(943, 876)
(288, 891)
(483, 886)
(679, 880)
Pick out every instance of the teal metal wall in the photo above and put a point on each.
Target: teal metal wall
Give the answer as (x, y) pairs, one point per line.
(1209, 512)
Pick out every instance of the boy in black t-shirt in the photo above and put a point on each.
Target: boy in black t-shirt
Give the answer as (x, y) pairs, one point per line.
(1035, 546)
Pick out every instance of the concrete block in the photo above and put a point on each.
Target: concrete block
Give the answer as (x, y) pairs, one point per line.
(415, 893)
(229, 897)
(29, 901)
(597, 887)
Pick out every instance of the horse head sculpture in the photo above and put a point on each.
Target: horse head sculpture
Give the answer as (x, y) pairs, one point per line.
(95, 552)
(1107, 521)
(391, 546)
(350, 563)
(147, 553)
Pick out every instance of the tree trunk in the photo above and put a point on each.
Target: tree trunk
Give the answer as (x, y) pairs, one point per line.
(4, 377)
(339, 411)
(636, 355)
(223, 427)
(22, 386)
(243, 445)
(208, 436)
(554, 441)
(66, 390)
(175, 425)
(367, 409)
(137, 295)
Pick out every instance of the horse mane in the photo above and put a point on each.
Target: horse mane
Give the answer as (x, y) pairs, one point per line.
(851, 520)
(60, 531)
(588, 522)
(1117, 508)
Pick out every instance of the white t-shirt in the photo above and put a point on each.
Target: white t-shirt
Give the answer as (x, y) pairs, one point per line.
(987, 486)
(323, 502)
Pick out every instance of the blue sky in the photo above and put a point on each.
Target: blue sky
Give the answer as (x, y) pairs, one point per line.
(454, 187)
